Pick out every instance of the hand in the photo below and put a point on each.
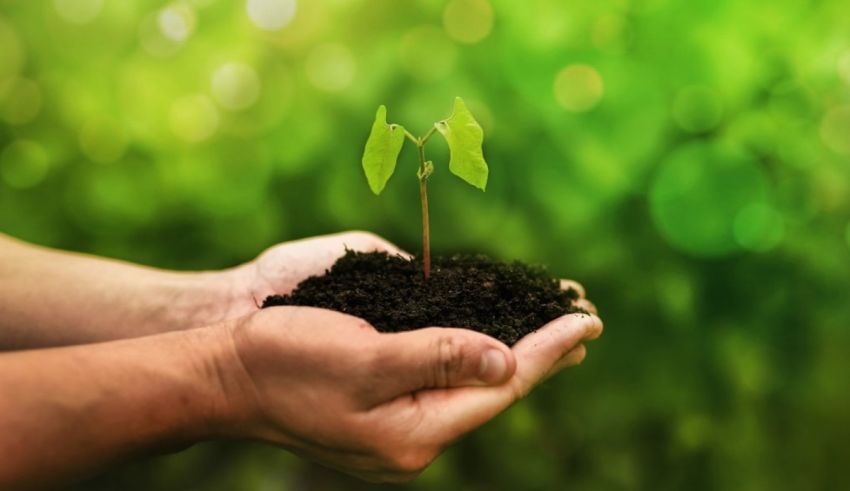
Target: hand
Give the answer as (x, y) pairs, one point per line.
(379, 406)
(279, 269)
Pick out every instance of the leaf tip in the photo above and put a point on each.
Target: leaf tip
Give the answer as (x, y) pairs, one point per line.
(381, 114)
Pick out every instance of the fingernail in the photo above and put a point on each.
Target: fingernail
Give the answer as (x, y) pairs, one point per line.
(493, 366)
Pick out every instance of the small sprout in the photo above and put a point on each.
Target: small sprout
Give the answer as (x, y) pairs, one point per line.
(466, 158)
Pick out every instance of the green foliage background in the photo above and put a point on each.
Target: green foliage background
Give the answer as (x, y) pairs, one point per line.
(688, 161)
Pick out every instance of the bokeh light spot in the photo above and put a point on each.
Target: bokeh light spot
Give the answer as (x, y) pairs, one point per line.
(578, 88)
(78, 11)
(102, 140)
(22, 102)
(758, 227)
(427, 54)
(23, 164)
(697, 108)
(176, 22)
(154, 39)
(271, 15)
(468, 21)
(835, 129)
(194, 118)
(699, 193)
(331, 67)
(235, 86)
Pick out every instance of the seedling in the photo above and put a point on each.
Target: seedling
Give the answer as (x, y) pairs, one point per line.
(466, 158)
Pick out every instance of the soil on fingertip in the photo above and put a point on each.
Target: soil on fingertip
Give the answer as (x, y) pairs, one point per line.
(503, 300)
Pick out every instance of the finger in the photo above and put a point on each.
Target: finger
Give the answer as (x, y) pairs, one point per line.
(458, 411)
(587, 305)
(573, 285)
(439, 357)
(571, 359)
(540, 351)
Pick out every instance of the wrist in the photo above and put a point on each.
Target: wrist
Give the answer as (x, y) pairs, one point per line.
(229, 405)
(199, 299)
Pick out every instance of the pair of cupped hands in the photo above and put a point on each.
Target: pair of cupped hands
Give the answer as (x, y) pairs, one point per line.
(379, 406)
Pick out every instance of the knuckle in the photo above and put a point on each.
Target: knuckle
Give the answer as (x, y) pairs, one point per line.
(450, 360)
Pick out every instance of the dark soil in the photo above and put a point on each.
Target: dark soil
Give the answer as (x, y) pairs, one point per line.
(506, 301)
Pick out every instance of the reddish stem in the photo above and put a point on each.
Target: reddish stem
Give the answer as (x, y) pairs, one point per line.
(426, 237)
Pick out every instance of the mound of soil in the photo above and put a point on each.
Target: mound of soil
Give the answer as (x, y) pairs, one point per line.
(506, 301)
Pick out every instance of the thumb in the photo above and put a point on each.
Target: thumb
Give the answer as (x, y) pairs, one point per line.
(437, 357)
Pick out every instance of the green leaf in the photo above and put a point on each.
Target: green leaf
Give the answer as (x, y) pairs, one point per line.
(465, 137)
(381, 152)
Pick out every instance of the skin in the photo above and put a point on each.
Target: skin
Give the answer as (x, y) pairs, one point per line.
(47, 297)
(161, 360)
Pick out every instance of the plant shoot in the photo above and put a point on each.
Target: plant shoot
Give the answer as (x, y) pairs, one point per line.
(466, 158)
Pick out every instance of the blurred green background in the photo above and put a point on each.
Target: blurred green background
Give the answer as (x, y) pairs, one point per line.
(688, 161)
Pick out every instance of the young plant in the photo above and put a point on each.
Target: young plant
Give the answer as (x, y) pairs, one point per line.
(466, 158)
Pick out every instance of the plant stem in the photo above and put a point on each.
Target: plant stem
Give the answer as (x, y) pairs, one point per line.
(423, 195)
(426, 240)
(410, 137)
(425, 138)
(419, 142)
